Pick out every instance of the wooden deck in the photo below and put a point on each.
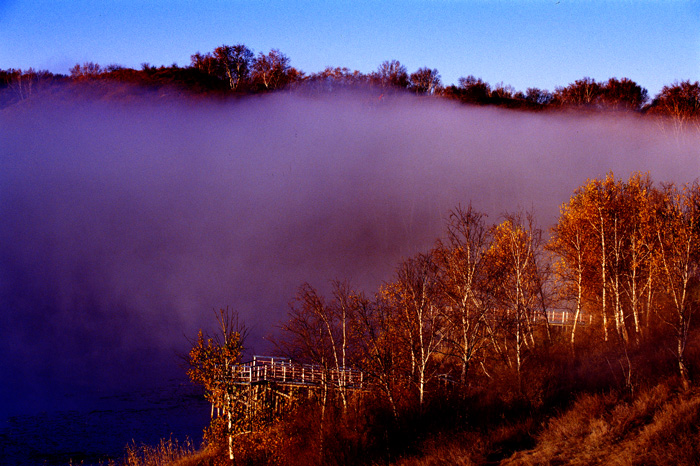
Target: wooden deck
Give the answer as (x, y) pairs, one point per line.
(265, 369)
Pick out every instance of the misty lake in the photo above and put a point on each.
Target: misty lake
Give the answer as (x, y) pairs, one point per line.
(103, 427)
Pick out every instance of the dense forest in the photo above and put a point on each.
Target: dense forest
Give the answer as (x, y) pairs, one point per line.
(237, 70)
(504, 343)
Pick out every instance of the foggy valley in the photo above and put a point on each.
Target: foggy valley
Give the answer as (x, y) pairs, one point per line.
(125, 224)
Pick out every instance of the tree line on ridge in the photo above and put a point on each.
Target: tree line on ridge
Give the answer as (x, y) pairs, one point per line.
(237, 70)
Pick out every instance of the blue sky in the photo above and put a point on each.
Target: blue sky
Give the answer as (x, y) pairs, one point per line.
(525, 43)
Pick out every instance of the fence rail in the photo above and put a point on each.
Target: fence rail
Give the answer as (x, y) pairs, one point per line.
(284, 371)
(566, 318)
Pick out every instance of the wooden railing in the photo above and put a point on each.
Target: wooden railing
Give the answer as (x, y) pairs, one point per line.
(284, 371)
(566, 318)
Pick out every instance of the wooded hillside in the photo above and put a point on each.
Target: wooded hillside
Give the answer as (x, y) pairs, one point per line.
(484, 340)
(236, 70)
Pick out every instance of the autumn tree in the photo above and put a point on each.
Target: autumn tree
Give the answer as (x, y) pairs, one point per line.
(592, 203)
(680, 102)
(623, 94)
(320, 332)
(414, 295)
(205, 63)
(236, 62)
(517, 273)
(271, 71)
(538, 96)
(87, 70)
(583, 92)
(606, 244)
(640, 201)
(229, 63)
(473, 90)
(391, 73)
(332, 78)
(571, 242)
(380, 354)
(502, 94)
(425, 81)
(23, 83)
(214, 361)
(463, 278)
(678, 233)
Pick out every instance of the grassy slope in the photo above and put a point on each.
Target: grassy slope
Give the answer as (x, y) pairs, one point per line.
(658, 426)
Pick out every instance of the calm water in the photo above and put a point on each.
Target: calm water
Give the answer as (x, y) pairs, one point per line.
(102, 430)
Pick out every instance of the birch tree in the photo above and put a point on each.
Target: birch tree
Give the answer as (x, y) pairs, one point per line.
(415, 298)
(678, 233)
(605, 242)
(380, 353)
(270, 71)
(680, 102)
(235, 62)
(319, 331)
(516, 274)
(571, 243)
(461, 259)
(214, 361)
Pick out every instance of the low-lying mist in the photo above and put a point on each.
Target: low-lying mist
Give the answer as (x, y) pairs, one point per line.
(124, 225)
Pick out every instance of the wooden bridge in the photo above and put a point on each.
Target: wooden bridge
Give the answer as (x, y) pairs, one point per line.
(265, 369)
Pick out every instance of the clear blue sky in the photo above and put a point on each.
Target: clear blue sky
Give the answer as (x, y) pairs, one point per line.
(526, 43)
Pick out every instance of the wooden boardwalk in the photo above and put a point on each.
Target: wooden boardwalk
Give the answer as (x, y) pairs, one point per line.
(266, 369)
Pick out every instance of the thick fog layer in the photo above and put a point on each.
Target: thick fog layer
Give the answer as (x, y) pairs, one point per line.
(125, 225)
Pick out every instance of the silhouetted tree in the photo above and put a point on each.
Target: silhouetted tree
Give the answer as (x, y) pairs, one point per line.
(333, 78)
(87, 70)
(502, 92)
(205, 63)
(391, 73)
(583, 92)
(473, 90)
(425, 81)
(271, 71)
(624, 94)
(538, 96)
(681, 102)
(381, 355)
(320, 332)
(235, 61)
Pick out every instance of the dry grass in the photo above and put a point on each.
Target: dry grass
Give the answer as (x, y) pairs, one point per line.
(657, 427)
(167, 452)
(457, 450)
